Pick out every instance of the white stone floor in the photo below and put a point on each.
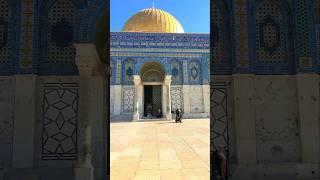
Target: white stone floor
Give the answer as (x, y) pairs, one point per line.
(160, 150)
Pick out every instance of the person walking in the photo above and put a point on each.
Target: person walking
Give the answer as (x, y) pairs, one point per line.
(178, 115)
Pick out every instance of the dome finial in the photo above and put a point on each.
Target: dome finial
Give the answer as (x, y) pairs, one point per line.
(153, 5)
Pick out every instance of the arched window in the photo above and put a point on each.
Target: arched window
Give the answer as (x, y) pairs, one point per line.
(127, 71)
(176, 72)
(221, 59)
(58, 36)
(195, 72)
(273, 40)
(61, 33)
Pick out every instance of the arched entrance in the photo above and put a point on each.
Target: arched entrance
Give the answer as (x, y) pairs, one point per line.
(152, 92)
(152, 76)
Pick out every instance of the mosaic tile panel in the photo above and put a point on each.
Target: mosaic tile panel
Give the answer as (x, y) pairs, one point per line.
(317, 25)
(185, 72)
(118, 72)
(176, 97)
(159, 40)
(303, 32)
(61, 22)
(59, 121)
(218, 40)
(5, 40)
(194, 72)
(176, 72)
(128, 71)
(241, 33)
(27, 34)
(271, 36)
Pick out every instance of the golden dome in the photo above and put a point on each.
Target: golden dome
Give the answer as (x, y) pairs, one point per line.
(153, 20)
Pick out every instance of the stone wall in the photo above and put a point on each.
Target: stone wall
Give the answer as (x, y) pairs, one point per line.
(195, 98)
(269, 124)
(277, 119)
(6, 120)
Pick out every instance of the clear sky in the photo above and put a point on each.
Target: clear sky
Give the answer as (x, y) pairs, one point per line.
(194, 15)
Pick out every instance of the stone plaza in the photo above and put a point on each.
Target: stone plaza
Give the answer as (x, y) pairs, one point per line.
(160, 150)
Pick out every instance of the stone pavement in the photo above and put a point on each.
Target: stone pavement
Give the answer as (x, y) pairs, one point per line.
(163, 150)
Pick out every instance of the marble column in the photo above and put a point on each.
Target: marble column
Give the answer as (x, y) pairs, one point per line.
(137, 83)
(164, 100)
(168, 88)
(92, 114)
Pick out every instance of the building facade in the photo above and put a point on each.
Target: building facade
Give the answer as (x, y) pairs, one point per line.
(153, 65)
(265, 87)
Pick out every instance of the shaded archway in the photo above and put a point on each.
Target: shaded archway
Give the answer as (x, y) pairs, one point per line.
(152, 72)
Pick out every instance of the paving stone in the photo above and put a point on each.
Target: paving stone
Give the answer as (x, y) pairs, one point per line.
(160, 150)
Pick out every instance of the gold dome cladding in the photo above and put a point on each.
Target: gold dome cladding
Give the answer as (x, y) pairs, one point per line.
(153, 20)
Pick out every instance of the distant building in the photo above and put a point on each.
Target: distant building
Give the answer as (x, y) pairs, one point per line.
(156, 66)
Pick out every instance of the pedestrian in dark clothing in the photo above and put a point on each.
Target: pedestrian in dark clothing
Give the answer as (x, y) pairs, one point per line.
(178, 115)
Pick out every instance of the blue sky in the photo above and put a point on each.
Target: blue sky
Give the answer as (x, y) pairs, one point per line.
(194, 15)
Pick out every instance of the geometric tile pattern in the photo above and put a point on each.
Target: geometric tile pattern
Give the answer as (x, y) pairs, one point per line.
(317, 25)
(241, 25)
(221, 60)
(218, 116)
(128, 71)
(59, 121)
(303, 28)
(219, 122)
(26, 34)
(127, 98)
(4, 38)
(218, 39)
(195, 72)
(117, 72)
(61, 21)
(270, 34)
(176, 71)
(176, 97)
